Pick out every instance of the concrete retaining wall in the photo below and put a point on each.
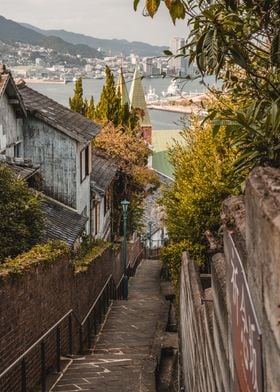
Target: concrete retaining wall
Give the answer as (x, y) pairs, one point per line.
(208, 360)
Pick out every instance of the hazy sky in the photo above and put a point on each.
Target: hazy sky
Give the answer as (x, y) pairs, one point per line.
(98, 18)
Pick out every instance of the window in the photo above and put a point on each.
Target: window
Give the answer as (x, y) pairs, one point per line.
(107, 201)
(85, 162)
(97, 219)
(17, 150)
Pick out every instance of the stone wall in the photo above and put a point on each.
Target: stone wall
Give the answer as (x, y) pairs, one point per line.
(32, 303)
(263, 248)
(204, 329)
(209, 360)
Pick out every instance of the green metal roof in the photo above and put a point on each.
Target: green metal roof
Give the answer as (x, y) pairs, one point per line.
(121, 87)
(137, 97)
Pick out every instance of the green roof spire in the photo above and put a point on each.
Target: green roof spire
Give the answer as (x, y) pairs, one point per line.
(121, 87)
(137, 97)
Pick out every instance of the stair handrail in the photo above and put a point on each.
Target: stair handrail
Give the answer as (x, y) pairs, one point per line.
(22, 356)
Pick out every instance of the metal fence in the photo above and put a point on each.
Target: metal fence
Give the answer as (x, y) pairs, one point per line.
(87, 329)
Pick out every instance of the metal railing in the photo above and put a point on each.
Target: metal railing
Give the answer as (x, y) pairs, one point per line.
(88, 328)
(132, 267)
(152, 247)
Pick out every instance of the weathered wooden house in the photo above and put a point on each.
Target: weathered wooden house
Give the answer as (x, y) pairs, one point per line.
(12, 113)
(58, 142)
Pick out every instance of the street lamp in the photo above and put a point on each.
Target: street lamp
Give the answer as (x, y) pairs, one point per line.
(150, 223)
(125, 204)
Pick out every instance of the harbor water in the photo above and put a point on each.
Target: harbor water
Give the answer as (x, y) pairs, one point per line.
(92, 87)
(166, 125)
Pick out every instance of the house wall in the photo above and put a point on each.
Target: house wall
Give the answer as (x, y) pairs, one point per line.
(11, 129)
(56, 154)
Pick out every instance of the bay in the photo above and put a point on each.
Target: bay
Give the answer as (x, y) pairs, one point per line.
(161, 120)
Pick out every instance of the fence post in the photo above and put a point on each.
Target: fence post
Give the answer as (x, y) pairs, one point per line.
(43, 367)
(70, 335)
(23, 375)
(81, 339)
(58, 349)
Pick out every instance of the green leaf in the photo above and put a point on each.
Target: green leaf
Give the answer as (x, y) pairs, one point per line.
(238, 56)
(152, 6)
(135, 4)
(168, 52)
(177, 11)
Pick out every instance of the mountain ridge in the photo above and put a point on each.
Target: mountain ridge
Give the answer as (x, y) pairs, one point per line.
(11, 31)
(116, 46)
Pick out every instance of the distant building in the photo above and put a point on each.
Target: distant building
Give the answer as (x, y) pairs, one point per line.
(88, 67)
(177, 65)
(39, 62)
(148, 66)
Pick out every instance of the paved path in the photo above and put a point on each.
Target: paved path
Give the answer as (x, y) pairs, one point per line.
(124, 358)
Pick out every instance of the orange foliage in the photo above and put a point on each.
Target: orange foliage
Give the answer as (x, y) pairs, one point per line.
(130, 150)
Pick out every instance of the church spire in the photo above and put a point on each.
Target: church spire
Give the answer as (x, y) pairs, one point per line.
(121, 87)
(137, 98)
(138, 101)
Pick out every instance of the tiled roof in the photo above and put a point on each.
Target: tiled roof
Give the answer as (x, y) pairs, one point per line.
(4, 78)
(104, 169)
(137, 98)
(24, 172)
(61, 222)
(8, 86)
(58, 116)
(21, 167)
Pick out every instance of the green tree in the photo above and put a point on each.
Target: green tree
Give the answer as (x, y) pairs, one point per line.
(111, 109)
(136, 180)
(239, 42)
(204, 177)
(109, 106)
(21, 219)
(90, 109)
(77, 103)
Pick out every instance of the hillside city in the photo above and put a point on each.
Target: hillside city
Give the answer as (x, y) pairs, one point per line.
(44, 64)
(140, 233)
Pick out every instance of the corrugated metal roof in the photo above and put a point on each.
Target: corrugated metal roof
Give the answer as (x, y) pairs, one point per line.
(121, 87)
(58, 116)
(137, 98)
(104, 169)
(61, 222)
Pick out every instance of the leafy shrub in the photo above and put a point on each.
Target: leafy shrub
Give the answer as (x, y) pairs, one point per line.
(89, 250)
(171, 256)
(204, 177)
(21, 218)
(40, 254)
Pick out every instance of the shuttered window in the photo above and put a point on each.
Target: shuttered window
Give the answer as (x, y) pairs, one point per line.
(85, 162)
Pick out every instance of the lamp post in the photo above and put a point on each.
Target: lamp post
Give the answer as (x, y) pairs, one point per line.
(125, 204)
(150, 223)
